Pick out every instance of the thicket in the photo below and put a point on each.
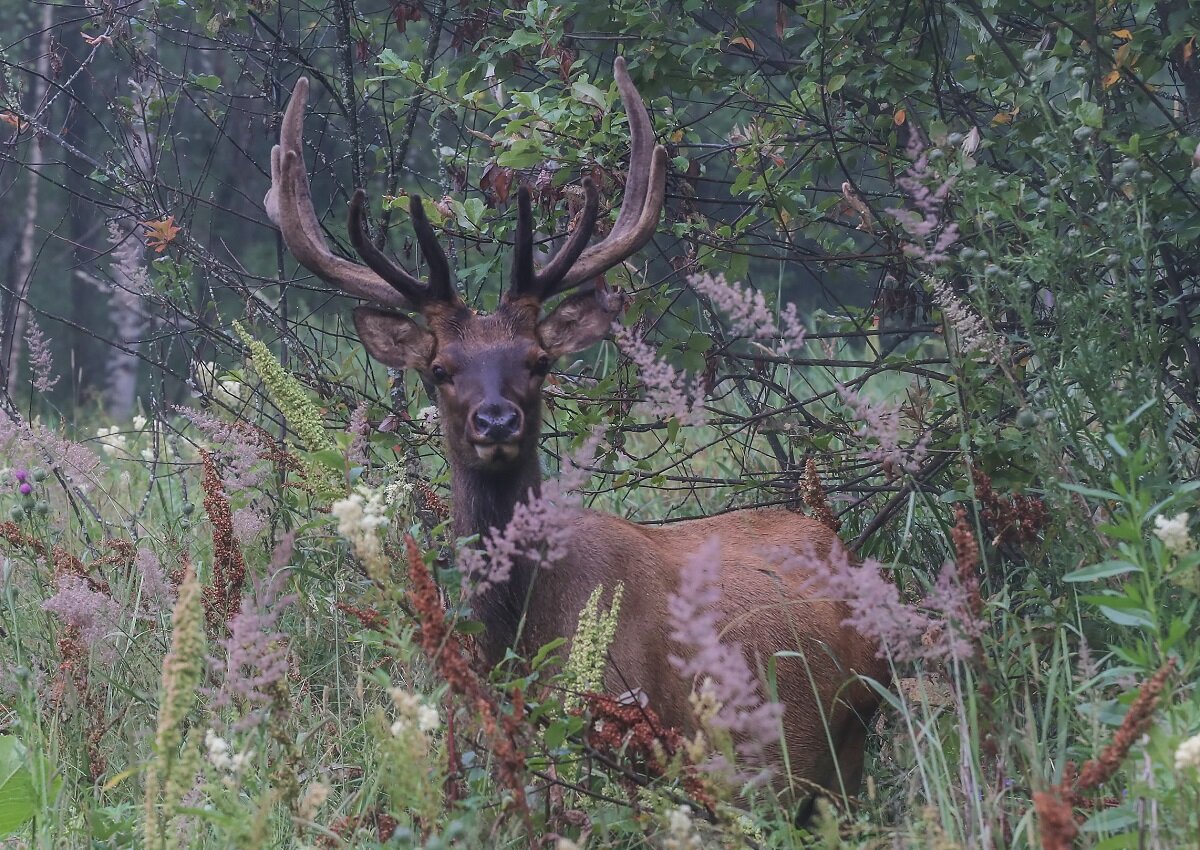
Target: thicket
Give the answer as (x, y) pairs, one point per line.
(232, 610)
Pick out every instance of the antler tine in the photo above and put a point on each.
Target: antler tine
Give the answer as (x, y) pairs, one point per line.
(553, 272)
(523, 281)
(289, 205)
(441, 282)
(645, 189)
(399, 279)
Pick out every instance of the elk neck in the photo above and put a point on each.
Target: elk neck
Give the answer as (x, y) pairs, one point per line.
(484, 500)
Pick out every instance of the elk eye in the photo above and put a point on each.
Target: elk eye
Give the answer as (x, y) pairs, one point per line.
(440, 375)
(541, 366)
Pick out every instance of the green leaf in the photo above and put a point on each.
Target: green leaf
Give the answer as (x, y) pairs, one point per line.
(589, 93)
(208, 82)
(1090, 114)
(835, 83)
(1091, 491)
(1104, 569)
(17, 802)
(1135, 617)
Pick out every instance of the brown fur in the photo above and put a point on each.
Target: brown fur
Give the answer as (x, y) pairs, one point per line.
(484, 358)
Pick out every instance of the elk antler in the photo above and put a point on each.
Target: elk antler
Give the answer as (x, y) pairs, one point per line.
(289, 204)
(645, 186)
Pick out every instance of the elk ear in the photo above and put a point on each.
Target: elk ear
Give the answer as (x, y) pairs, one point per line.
(580, 320)
(393, 339)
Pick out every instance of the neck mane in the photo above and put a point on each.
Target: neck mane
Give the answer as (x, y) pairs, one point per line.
(483, 501)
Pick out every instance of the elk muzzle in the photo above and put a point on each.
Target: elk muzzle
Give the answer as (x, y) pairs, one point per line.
(495, 428)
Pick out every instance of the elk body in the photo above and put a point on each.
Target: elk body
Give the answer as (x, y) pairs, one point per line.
(489, 371)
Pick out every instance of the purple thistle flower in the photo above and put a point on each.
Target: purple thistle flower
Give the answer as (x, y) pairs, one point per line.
(20, 475)
(26, 488)
(255, 653)
(722, 668)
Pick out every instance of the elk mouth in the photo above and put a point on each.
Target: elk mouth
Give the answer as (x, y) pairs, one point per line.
(495, 454)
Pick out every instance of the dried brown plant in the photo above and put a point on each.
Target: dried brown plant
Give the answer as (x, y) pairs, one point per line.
(223, 598)
(814, 497)
(446, 652)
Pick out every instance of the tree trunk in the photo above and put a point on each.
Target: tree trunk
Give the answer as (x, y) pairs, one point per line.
(18, 312)
(126, 305)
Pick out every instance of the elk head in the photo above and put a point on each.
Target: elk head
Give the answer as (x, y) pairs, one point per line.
(488, 369)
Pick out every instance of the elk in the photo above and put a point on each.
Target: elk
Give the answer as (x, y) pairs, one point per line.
(488, 371)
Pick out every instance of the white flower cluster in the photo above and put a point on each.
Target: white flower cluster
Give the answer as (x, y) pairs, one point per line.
(220, 757)
(229, 392)
(360, 515)
(413, 714)
(1174, 533)
(112, 441)
(149, 454)
(681, 834)
(1188, 754)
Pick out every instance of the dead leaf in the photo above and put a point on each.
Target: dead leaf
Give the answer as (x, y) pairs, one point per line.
(743, 41)
(1123, 34)
(781, 19)
(161, 233)
(900, 117)
(496, 183)
(1110, 79)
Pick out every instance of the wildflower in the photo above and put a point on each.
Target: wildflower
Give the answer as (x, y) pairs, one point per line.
(359, 428)
(667, 395)
(970, 333)
(413, 713)
(360, 516)
(932, 238)
(171, 774)
(224, 598)
(287, 393)
(254, 655)
(20, 475)
(248, 523)
(584, 671)
(540, 527)
(681, 834)
(695, 623)
(882, 424)
(112, 442)
(748, 310)
(1174, 533)
(78, 606)
(1188, 755)
(41, 361)
(139, 422)
(26, 488)
(943, 626)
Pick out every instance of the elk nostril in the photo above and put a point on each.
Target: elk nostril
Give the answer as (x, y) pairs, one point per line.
(499, 422)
